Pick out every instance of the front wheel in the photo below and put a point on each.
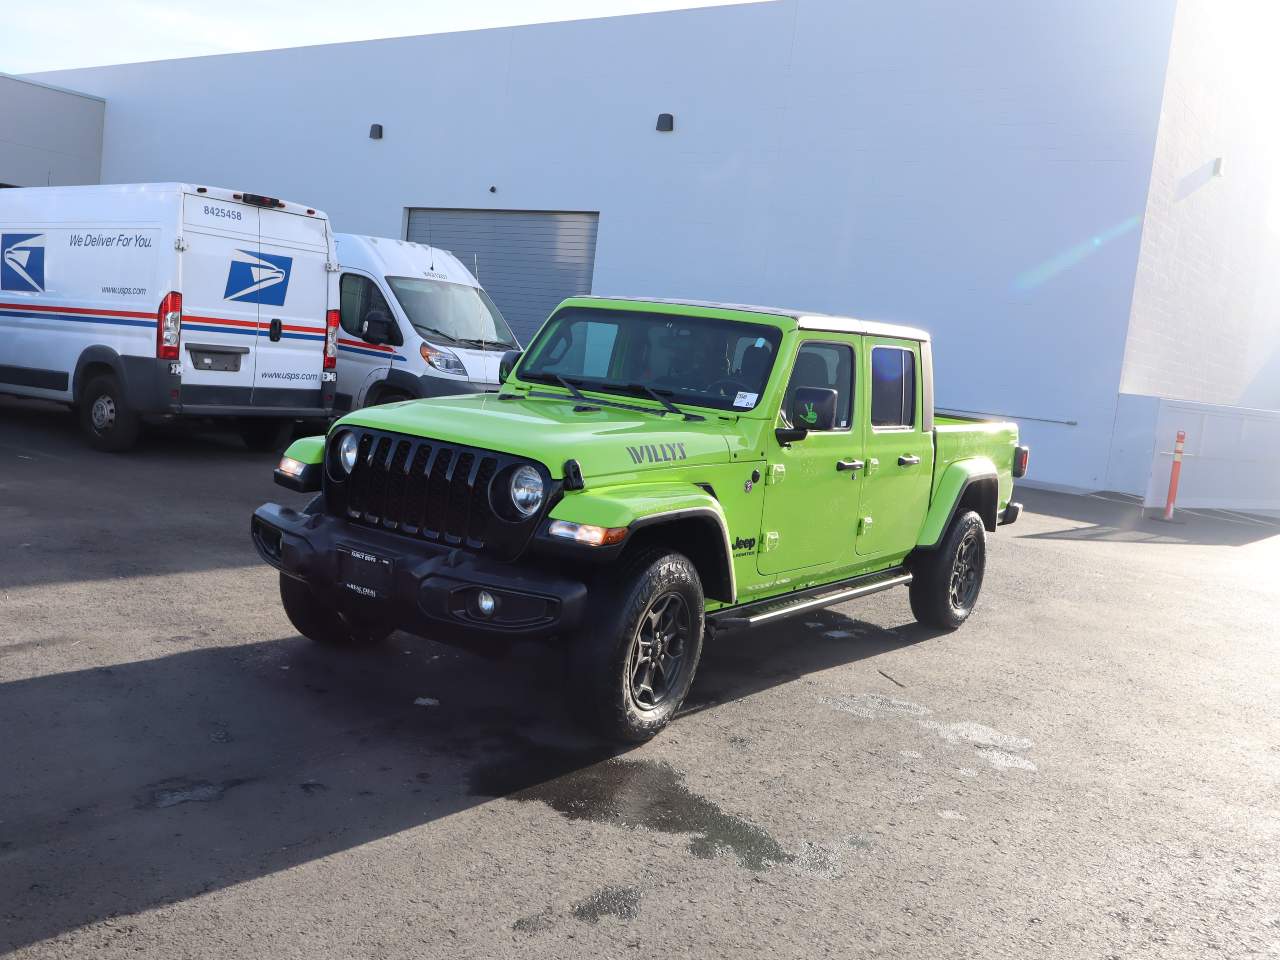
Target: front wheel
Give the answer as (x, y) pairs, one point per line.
(317, 619)
(947, 581)
(635, 659)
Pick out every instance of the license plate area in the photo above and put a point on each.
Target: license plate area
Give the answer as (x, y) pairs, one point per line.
(365, 574)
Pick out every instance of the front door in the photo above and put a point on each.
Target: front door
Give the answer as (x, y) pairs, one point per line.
(361, 364)
(291, 288)
(812, 488)
(899, 470)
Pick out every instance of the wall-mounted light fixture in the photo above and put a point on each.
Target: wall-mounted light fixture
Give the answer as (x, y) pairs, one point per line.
(375, 131)
(1217, 166)
(666, 122)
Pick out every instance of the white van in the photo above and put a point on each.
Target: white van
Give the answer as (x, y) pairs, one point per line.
(415, 323)
(161, 300)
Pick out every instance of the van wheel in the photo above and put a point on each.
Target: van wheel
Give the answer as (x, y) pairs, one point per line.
(106, 418)
(635, 658)
(317, 619)
(265, 434)
(947, 580)
(390, 396)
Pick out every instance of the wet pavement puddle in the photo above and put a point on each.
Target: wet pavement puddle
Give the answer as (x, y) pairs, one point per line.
(637, 794)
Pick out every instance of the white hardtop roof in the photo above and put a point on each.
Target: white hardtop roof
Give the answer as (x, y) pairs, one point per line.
(390, 257)
(805, 319)
(199, 189)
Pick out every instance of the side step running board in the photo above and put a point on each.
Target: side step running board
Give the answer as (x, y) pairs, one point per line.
(775, 608)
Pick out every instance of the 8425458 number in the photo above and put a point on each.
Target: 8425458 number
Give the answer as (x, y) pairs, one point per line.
(229, 212)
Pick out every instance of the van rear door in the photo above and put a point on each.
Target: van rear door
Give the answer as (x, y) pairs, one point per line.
(294, 248)
(220, 315)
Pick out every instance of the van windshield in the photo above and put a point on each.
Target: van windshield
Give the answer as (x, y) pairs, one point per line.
(453, 312)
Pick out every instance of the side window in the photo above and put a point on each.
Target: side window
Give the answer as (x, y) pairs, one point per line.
(360, 296)
(828, 366)
(893, 387)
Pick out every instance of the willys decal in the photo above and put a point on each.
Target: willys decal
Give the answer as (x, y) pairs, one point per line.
(658, 453)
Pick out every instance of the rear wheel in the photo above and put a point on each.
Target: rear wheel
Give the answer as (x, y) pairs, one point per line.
(635, 659)
(947, 581)
(264, 434)
(317, 619)
(106, 417)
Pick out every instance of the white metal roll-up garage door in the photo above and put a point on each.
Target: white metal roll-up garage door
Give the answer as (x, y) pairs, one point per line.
(528, 261)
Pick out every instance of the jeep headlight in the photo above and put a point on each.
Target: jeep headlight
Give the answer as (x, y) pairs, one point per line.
(526, 490)
(348, 448)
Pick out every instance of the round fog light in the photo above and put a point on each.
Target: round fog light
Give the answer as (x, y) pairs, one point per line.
(485, 603)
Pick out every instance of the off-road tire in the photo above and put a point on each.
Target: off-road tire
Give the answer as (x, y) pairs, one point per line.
(264, 434)
(106, 418)
(603, 655)
(317, 619)
(947, 581)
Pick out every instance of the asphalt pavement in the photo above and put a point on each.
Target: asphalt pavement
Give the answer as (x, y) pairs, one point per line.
(1087, 769)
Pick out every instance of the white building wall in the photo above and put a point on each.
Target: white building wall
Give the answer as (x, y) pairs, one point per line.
(976, 169)
(1206, 307)
(48, 136)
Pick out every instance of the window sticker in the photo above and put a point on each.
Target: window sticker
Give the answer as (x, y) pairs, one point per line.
(744, 399)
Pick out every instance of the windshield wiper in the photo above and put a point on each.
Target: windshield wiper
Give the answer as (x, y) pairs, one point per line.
(422, 328)
(482, 343)
(584, 404)
(661, 397)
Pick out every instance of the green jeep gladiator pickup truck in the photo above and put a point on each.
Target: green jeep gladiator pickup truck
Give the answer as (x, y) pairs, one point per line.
(650, 472)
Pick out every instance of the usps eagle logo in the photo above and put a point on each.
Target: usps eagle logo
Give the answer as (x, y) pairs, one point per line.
(258, 278)
(22, 262)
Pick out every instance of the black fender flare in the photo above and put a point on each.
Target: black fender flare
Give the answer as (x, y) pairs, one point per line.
(97, 354)
(419, 387)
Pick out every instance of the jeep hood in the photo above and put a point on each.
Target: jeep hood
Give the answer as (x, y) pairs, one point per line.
(604, 441)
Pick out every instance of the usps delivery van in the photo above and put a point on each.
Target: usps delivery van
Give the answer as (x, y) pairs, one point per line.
(415, 323)
(162, 300)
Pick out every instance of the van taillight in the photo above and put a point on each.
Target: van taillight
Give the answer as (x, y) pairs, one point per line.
(331, 339)
(169, 326)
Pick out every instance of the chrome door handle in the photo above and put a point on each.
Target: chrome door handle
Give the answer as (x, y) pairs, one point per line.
(908, 461)
(854, 465)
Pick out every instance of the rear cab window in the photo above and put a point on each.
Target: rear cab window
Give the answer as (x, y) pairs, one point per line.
(893, 388)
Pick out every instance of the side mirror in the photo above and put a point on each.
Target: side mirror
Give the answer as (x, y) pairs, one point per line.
(507, 364)
(376, 327)
(813, 408)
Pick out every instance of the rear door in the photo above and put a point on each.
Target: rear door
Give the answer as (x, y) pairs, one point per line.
(291, 290)
(219, 323)
(899, 453)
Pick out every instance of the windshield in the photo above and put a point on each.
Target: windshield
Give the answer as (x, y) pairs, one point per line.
(723, 364)
(453, 312)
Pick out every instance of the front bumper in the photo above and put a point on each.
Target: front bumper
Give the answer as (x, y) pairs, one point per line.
(432, 589)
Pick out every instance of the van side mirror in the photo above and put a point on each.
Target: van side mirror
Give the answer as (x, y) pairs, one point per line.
(507, 364)
(376, 327)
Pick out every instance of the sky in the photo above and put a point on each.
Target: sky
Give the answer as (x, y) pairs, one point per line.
(60, 34)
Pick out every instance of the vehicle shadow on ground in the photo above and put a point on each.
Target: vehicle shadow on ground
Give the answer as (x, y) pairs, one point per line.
(74, 514)
(143, 784)
(1115, 519)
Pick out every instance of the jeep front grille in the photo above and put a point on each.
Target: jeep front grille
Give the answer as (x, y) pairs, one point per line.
(427, 489)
